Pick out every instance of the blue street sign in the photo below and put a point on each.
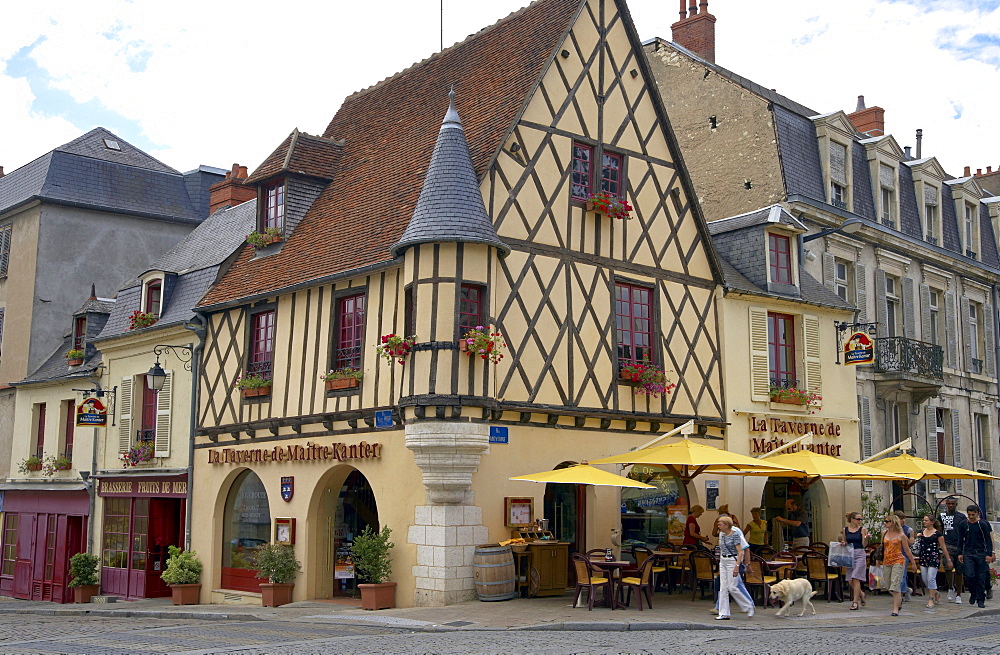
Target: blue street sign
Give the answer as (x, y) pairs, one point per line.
(383, 418)
(498, 434)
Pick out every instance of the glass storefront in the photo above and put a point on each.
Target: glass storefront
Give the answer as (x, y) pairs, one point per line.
(246, 527)
(652, 516)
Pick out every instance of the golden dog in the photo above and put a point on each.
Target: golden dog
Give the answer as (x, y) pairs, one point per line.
(789, 591)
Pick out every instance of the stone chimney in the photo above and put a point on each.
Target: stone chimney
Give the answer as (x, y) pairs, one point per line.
(869, 121)
(696, 30)
(230, 191)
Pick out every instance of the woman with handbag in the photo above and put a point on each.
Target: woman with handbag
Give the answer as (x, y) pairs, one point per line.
(929, 548)
(855, 534)
(895, 551)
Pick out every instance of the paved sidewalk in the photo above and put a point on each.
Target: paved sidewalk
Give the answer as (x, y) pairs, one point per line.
(670, 612)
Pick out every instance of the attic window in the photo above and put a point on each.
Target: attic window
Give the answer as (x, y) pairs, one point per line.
(80, 333)
(111, 144)
(153, 297)
(274, 206)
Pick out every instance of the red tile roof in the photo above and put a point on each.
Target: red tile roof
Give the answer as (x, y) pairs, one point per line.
(301, 153)
(390, 130)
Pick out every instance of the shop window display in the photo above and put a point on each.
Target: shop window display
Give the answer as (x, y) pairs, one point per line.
(652, 516)
(246, 527)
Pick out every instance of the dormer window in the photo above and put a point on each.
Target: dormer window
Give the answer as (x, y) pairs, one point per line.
(153, 297)
(971, 231)
(80, 333)
(838, 175)
(932, 229)
(780, 256)
(274, 206)
(887, 208)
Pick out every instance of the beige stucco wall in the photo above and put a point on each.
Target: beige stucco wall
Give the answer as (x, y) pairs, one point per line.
(17, 295)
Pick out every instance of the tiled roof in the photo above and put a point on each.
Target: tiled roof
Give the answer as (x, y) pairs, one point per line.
(390, 131)
(799, 154)
(812, 291)
(451, 206)
(775, 214)
(990, 256)
(56, 367)
(301, 153)
(196, 260)
(85, 173)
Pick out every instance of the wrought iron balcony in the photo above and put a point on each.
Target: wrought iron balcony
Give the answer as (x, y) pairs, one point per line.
(145, 435)
(909, 357)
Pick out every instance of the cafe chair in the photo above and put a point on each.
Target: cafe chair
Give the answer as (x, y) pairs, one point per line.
(590, 578)
(641, 554)
(915, 580)
(766, 553)
(597, 552)
(641, 583)
(818, 572)
(820, 547)
(799, 551)
(702, 572)
(785, 572)
(679, 569)
(758, 576)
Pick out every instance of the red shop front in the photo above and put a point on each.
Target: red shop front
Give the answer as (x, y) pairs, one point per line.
(42, 529)
(141, 518)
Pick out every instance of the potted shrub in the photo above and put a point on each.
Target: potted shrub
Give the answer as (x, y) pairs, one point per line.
(51, 464)
(609, 205)
(183, 576)
(342, 378)
(264, 238)
(139, 319)
(75, 357)
(394, 347)
(277, 564)
(30, 463)
(481, 342)
(370, 554)
(649, 379)
(83, 576)
(253, 384)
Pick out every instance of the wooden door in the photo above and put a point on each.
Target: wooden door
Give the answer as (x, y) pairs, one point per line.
(25, 555)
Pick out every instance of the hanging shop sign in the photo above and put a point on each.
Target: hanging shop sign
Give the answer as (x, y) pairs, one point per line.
(91, 412)
(296, 453)
(859, 349)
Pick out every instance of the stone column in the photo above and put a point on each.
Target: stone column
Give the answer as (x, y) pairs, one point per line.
(446, 531)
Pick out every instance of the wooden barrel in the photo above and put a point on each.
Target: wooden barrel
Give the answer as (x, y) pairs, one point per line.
(493, 566)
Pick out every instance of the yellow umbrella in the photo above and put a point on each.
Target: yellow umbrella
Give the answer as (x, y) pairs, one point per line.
(813, 466)
(688, 459)
(583, 473)
(918, 468)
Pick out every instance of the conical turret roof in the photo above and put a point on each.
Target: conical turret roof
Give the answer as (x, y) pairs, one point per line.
(450, 208)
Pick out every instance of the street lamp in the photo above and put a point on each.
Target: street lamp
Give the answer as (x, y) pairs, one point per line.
(850, 226)
(156, 376)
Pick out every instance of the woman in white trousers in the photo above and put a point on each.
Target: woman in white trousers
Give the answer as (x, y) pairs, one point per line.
(730, 555)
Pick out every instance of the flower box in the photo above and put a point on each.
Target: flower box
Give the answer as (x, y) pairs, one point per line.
(266, 237)
(789, 398)
(609, 205)
(269, 240)
(342, 383)
(253, 392)
(75, 361)
(483, 343)
(33, 466)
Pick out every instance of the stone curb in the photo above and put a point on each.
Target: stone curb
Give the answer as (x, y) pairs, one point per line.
(203, 616)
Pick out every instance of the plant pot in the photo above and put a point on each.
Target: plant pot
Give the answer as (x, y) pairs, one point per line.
(788, 399)
(377, 596)
(253, 392)
(76, 361)
(463, 345)
(186, 594)
(84, 593)
(34, 467)
(275, 594)
(594, 207)
(343, 383)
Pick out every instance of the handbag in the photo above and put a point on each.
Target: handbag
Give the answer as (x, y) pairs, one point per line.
(841, 555)
(876, 577)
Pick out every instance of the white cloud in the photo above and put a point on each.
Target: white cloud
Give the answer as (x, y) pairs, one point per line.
(212, 83)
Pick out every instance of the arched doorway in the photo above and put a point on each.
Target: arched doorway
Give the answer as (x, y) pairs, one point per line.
(811, 498)
(347, 506)
(565, 506)
(246, 525)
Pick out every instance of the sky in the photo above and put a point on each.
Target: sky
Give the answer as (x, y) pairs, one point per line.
(219, 83)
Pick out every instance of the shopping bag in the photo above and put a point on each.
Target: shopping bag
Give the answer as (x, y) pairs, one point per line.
(875, 577)
(841, 555)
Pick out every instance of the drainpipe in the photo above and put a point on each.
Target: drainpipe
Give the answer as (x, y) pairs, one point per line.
(996, 349)
(198, 328)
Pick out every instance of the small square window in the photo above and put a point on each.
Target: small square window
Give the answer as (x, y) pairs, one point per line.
(111, 144)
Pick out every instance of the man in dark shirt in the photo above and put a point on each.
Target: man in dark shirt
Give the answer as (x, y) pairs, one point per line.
(975, 554)
(799, 523)
(951, 519)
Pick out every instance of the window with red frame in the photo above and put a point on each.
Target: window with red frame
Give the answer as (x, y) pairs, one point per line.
(781, 258)
(470, 307)
(261, 344)
(70, 428)
(611, 174)
(153, 298)
(80, 333)
(147, 428)
(781, 349)
(274, 206)
(40, 431)
(350, 331)
(634, 322)
(583, 159)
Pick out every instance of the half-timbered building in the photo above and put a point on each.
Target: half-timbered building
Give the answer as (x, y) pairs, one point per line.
(393, 222)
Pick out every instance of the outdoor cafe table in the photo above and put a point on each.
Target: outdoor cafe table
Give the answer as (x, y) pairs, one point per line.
(664, 555)
(613, 567)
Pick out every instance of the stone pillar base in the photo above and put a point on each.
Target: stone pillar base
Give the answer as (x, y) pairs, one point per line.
(446, 537)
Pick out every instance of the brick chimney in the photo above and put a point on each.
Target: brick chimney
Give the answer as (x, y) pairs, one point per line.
(870, 121)
(231, 191)
(696, 30)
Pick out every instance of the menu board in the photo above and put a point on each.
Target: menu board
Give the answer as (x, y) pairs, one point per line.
(343, 568)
